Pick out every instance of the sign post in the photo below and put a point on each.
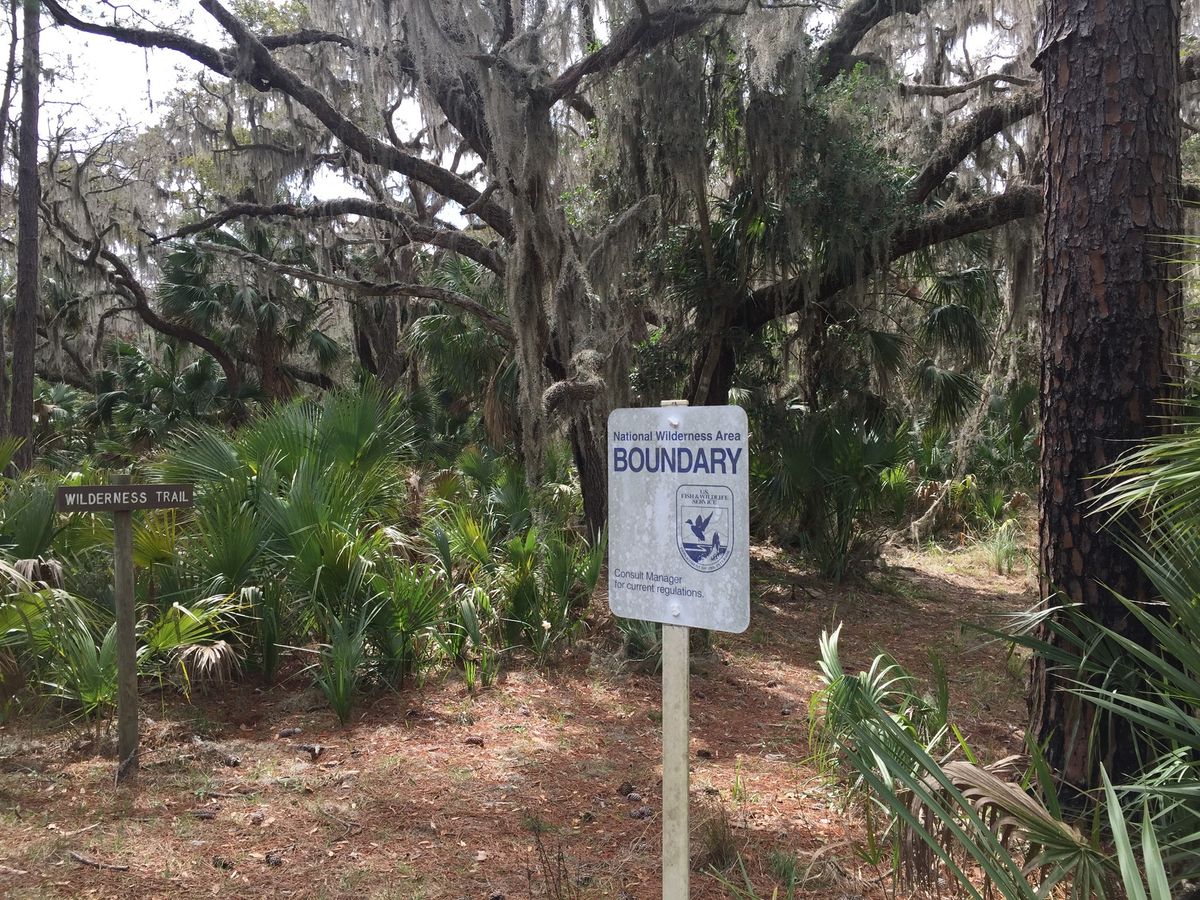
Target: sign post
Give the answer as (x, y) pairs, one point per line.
(676, 856)
(123, 600)
(121, 498)
(679, 554)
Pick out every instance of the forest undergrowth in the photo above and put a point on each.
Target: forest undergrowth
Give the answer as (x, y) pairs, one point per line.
(543, 784)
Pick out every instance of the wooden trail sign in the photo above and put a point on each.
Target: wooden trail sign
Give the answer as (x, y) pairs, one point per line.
(679, 554)
(121, 498)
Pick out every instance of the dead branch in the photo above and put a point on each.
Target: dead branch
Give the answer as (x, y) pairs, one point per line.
(95, 863)
(226, 759)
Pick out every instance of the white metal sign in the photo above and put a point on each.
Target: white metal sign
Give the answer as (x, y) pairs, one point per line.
(679, 516)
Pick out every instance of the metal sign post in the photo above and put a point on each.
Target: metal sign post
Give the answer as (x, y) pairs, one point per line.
(121, 498)
(679, 536)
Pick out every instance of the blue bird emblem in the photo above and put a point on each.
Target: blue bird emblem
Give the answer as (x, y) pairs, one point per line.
(700, 525)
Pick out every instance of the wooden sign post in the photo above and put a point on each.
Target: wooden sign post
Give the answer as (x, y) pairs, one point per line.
(121, 498)
(679, 554)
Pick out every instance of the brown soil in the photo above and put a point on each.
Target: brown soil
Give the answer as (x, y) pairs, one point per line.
(516, 791)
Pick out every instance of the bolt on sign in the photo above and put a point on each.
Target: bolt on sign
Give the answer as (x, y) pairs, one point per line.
(679, 516)
(121, 498)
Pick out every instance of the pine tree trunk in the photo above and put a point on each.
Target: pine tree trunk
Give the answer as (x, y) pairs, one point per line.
(28, 194)
(10, 77)
(1110, 324)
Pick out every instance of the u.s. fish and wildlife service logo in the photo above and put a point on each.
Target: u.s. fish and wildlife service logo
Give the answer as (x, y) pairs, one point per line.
(704, 525)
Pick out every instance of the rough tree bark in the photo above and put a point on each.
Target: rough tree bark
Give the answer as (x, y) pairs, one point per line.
(1110, 317)
(28, 195)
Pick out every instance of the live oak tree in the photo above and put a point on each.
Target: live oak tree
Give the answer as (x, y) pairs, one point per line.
(569, 143)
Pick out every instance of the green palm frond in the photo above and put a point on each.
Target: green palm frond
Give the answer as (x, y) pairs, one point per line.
(888, 351)
(951, 395)
(975, 287)
(27, 518)
(200, 455)
(180, 625)
(956, 328)
(363, 428)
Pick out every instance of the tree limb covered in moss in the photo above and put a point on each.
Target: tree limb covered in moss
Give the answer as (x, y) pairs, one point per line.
(294, 372)
(121, 276)
(305, 37)
(987, 122)
(637, 36)
(964, 139)
(958, 220)
(447, 238)
(837, 53)
(253, 64)
(487, 317)
(458, 98)
(950, 90)
(371, 149)
(140, 37)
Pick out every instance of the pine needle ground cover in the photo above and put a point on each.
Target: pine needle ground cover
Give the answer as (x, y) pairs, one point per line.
(545, 784)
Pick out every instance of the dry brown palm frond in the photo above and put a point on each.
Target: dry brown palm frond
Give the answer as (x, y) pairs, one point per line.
(202, 666)
(41, 572)
(497, 416)
(1007, 808)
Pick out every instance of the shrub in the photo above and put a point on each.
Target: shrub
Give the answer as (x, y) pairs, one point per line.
(341, 661)
(820, 478)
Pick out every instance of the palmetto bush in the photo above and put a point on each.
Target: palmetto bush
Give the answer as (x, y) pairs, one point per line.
(952, 816)
(317, 514)
(544, 580)
(524, 584)
(405, 629)
(317, 528)
(140, 400)
(945, 814)
(343, 659)
(291, 510)
(68, 645)
(819, 477)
